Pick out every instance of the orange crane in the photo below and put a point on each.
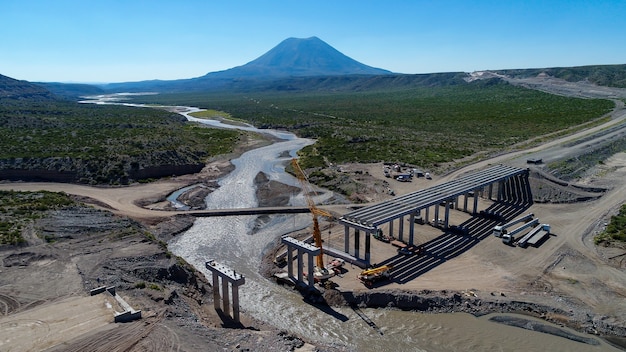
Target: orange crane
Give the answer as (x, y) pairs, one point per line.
(315, 211)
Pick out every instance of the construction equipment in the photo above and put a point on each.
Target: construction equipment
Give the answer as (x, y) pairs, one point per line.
(315, 211)
(369, 276)
(500, 230)
(379, 235)
(509, 237)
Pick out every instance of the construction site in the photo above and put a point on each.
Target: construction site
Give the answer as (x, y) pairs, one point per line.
(396, 241)
(477, 232)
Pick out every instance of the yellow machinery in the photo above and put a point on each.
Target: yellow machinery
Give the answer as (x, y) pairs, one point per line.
(375, 273)
(315, 211)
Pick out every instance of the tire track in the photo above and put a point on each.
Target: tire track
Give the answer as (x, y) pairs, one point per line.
(8, 304)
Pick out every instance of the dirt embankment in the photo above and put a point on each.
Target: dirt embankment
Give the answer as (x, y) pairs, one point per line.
(87, 248)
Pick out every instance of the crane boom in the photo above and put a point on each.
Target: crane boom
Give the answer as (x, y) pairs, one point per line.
(315, 211)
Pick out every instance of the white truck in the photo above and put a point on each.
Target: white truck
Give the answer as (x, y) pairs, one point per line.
(509, 237)
(500, 230)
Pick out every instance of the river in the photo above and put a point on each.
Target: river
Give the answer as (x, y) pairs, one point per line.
(232, 242)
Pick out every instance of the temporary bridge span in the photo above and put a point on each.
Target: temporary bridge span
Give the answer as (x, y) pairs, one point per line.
(511, 186)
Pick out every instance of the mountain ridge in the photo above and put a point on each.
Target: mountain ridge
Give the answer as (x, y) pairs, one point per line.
(301, 58)
(293, 57)
(13, 89)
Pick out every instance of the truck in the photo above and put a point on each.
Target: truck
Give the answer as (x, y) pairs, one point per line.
(371, 275)
(509, 237)
(403, 178)
(500, 230)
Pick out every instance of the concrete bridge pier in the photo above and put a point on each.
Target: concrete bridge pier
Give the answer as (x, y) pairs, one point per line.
(411, 228)
(302, 248)
(227, 276)
(475, 211)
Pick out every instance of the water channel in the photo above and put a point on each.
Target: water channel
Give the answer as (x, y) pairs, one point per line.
(232, 241)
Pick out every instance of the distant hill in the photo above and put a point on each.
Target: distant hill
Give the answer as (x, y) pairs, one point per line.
(602, 75)
(71, 90)
(13, 89)
(293, 57)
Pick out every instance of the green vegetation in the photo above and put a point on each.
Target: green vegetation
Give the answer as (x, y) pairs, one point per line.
(602, 75)
(615, 230)
(102, 143)
(18, 209)
(423, 125)
(155, 287)
(142, 284)
(211, 114)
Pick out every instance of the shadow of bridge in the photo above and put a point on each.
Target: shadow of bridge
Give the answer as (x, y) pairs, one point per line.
(450, 244)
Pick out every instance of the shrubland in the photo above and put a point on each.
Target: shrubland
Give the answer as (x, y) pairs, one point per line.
(615, 230)
(102, 143)
(425, 125)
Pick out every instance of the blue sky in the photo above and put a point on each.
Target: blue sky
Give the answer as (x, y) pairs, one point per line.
(131, 40)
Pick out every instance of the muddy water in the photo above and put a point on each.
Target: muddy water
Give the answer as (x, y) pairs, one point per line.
(228, 240)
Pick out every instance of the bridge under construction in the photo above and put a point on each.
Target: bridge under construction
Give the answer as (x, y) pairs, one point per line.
(500, 183)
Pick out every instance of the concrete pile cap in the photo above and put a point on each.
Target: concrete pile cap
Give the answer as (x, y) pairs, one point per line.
(225, 272)
(302, 245)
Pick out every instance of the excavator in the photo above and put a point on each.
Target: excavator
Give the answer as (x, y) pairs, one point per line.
(319, 271)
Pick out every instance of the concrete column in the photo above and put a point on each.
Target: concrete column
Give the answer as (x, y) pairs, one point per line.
(475, 202)
(401, 228)
(367, 247)
(346, 239)
(490, 190)
(391, 233)
(427, 218)
(506, 190)
(225, 300)
(300, 266)
(357, 244)
(290, 260)
(500, 189)
(436, 215)
(226, 275)
(456, 202)
(235, 302)
(303, 248)
(310, 271)
(216, 291)
(465, 202)
(447, 215)
(411, 227)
